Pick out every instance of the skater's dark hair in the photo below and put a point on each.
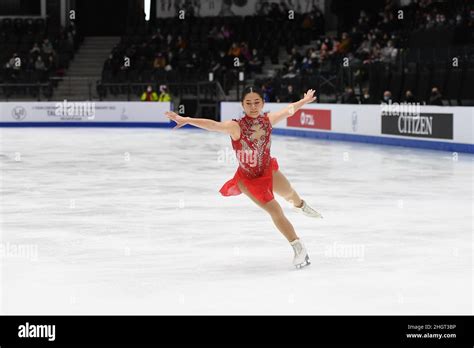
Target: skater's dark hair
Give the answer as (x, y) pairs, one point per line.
(251, 89)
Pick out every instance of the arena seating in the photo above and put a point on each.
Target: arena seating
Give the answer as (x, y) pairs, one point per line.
(19, 73)
(196, 47)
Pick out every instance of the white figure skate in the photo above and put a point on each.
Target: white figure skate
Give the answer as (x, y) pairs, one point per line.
(301, 258)
(308, 211)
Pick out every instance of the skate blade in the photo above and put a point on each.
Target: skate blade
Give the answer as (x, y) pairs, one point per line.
(303, 264)
(315, 216)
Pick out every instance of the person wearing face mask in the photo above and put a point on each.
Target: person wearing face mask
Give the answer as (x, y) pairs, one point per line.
(365, 98)
(164, 95)
(387, 97)
(435, 97)
(149, 95)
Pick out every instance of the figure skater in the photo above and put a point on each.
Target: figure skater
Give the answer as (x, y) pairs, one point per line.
(258, 175)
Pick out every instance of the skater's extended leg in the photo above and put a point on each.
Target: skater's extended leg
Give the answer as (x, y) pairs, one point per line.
(301, 257)
(274, 209)
(282, 186)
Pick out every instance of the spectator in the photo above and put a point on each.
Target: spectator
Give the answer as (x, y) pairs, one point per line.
(295, 55)
(435, 97)
(245, 52)
(387, 97)
(39, 64)
(50, 64)
(112, 64)
(389, 53)
(345, 44)
(290, 95)
(47, 47)
(193, 62)
(149, 95)
(160, 61)
(225, 33)
(35, 49)
(157, 37)
(267, 93)
(366, 98)
(234, 51)
(225, 60)
(171, 60)
(255, 63)
(181, 43)
(409, 97)
(164, 95)
(349, 97)
(365, 47)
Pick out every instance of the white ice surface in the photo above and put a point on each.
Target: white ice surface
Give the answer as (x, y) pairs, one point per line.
(130, 221)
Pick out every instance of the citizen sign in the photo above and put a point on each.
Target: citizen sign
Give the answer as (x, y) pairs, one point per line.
(424, 125)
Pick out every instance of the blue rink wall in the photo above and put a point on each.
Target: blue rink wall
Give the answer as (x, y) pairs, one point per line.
(440, 128)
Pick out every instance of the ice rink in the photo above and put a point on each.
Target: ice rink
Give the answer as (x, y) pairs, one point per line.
(130, 221)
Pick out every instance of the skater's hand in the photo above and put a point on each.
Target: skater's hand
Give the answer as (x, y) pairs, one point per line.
(309, 96)
(180, 120)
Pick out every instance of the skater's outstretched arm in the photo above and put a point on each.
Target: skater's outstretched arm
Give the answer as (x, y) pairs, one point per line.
(227, 127)
(282, 114)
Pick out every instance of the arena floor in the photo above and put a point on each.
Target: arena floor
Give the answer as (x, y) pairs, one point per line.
(130, 221)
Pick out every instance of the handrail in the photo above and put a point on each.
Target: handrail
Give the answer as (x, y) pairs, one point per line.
(216, 92)
(221, 91)
(66, 77)
(21, 84)
(219, 88)
(38, 85)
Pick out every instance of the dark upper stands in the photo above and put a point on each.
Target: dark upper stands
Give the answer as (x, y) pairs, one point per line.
(173, 50)
(32, 52)
(430, 47)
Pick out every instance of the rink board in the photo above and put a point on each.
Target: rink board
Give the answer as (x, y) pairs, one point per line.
(451, 128)
(95, 113)
(440, 128)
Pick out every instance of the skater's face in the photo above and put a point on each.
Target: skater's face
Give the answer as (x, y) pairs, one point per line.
(253, 104)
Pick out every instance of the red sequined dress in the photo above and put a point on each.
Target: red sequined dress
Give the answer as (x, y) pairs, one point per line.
(256, 166)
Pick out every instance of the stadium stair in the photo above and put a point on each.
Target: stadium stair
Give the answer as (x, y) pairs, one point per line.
(86, 66)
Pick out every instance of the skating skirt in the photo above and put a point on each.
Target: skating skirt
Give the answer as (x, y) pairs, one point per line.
(261, 187)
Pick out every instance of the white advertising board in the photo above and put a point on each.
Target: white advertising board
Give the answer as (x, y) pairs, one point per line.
(18, 112)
